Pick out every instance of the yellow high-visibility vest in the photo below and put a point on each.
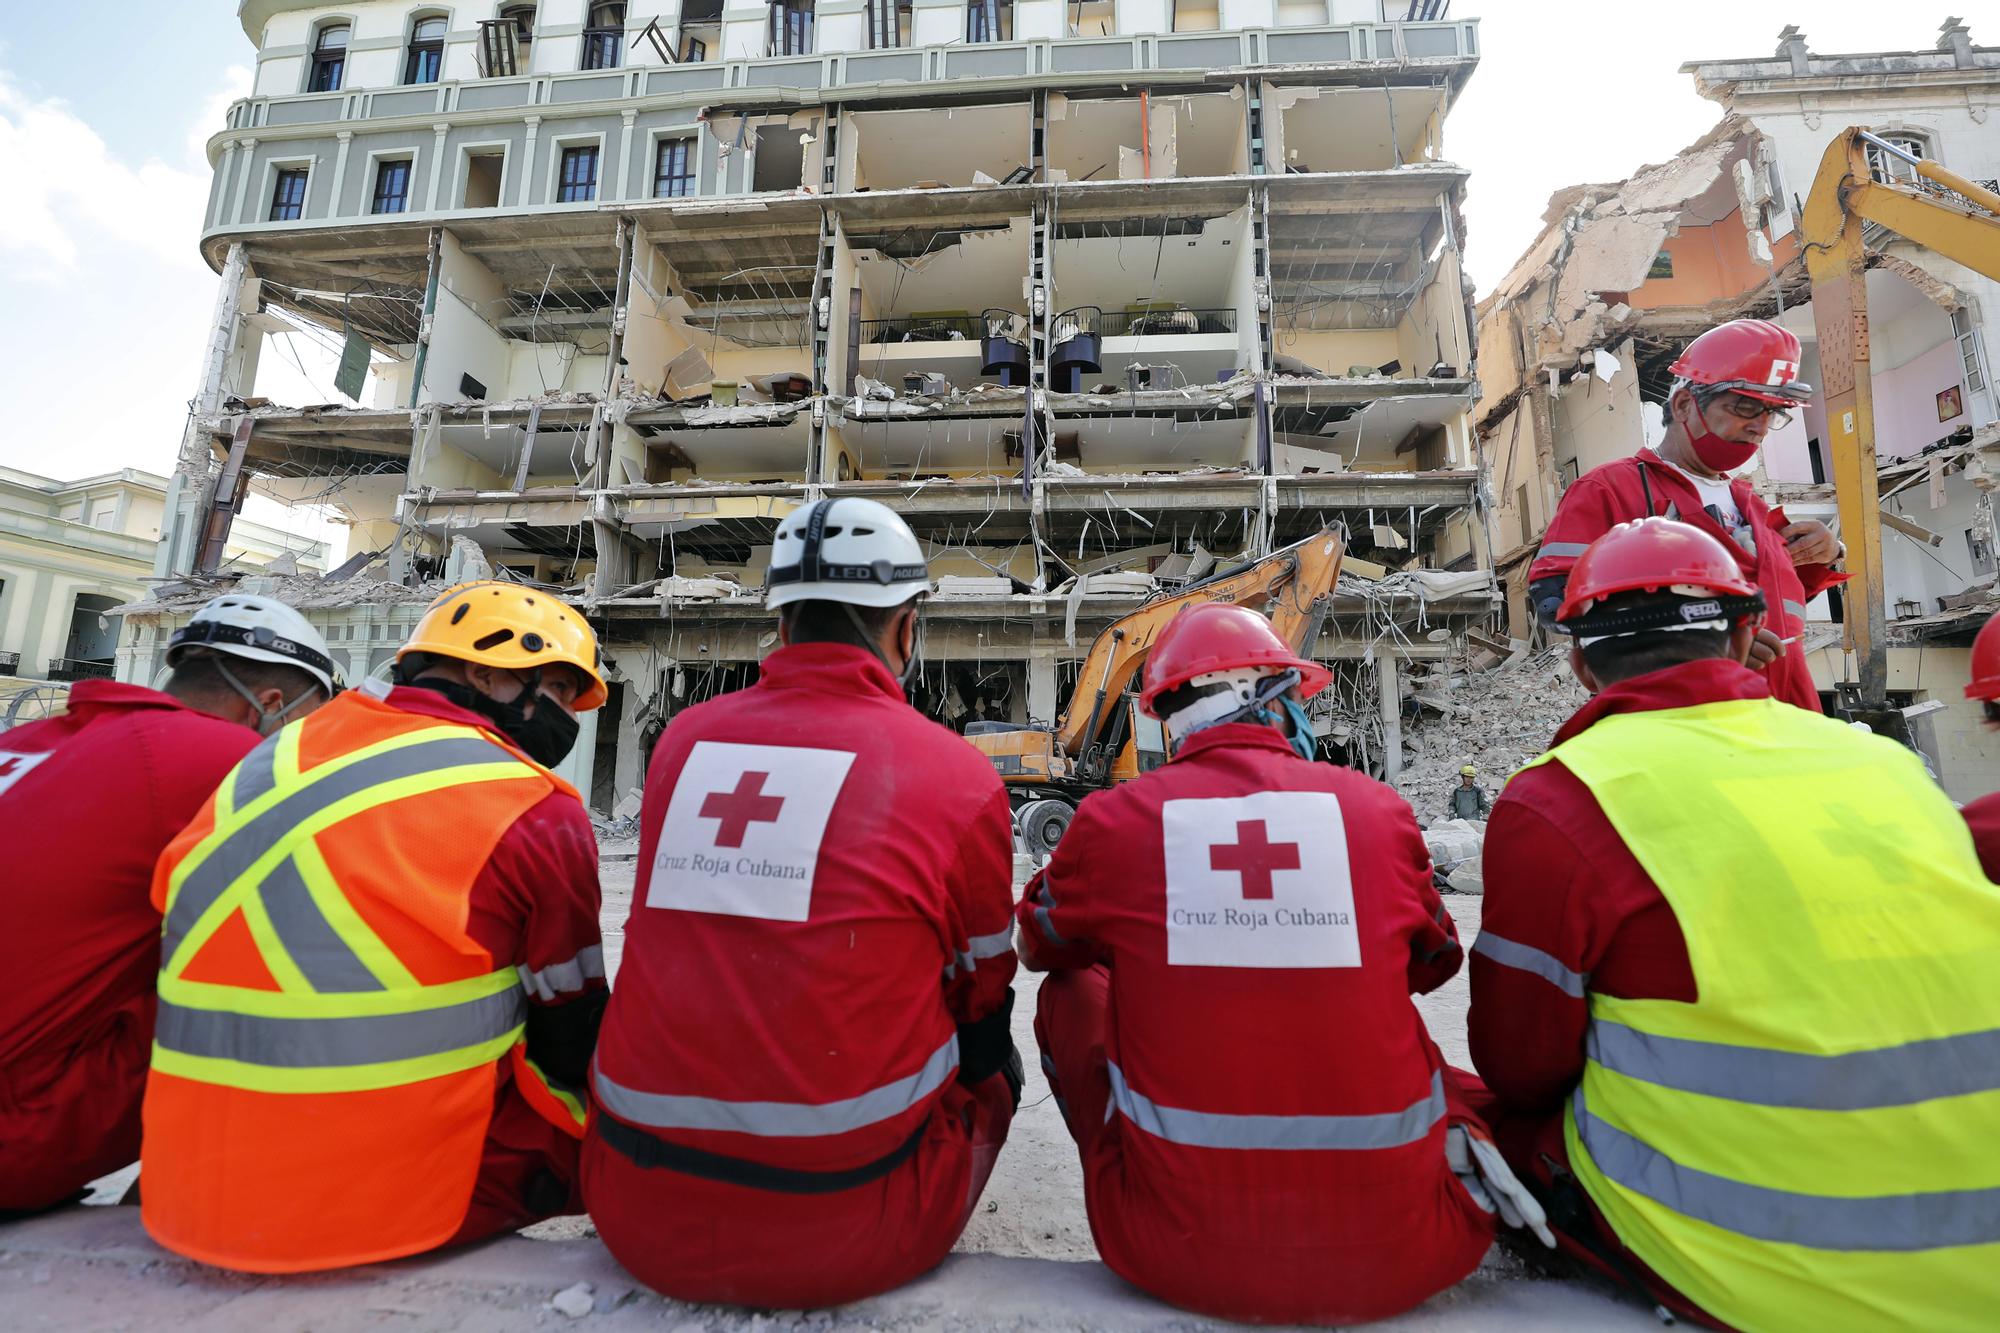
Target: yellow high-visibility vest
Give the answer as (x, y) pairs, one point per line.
(1815, 1141)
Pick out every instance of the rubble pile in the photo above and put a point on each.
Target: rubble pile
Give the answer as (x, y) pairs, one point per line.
(1496, 720)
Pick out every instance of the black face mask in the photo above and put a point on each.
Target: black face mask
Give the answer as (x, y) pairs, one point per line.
(546, 737)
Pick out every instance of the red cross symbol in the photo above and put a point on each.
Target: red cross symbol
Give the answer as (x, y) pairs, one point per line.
(1254, 856)
(741, 808)
(9, 764)
(1783, 372)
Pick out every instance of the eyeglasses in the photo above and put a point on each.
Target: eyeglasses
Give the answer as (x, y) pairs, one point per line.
(1749, 409)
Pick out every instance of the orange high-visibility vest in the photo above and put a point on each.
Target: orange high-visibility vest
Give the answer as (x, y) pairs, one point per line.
(327, 1051)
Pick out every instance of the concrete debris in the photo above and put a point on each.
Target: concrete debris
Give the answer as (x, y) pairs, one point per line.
(1466, 877)
(966, 585)
(574, 1302)
(1498, 721)
(1453, 842)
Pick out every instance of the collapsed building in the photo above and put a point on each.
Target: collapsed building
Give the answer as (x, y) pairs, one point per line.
(1576, 340)
(1099, 298)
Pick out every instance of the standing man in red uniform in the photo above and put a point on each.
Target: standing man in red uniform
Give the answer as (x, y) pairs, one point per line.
(91, 797)
(806, 1072)
(1268, 1132)
(1984, 814)
(1735, 384)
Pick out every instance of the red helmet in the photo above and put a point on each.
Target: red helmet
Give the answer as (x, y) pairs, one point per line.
(1220, 636)
(1985, 683)
(1753, 357)
(1650, 554)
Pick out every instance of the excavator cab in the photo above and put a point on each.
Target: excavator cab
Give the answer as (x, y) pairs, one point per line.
(1101, 737)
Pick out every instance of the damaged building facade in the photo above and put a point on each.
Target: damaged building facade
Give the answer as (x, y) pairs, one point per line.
(1098, 296)
(1575, 342)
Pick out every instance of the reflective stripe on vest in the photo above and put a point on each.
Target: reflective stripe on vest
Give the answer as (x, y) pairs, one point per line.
(1211, 1129)
(785, 1120)
(1813, 1136)
(348, 1015)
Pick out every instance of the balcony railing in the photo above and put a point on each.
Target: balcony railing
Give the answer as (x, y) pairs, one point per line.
(1179, 321)
(76, 668)
(1164, 323)
(923, 329)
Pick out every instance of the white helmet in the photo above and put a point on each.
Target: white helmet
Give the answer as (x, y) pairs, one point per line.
(853, 551)
(262, 629)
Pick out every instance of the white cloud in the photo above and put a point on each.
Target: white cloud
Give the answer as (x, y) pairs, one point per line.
(108, 297)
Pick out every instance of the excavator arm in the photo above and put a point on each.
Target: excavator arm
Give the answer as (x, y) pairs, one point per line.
(1845, 195)
(1293, 586)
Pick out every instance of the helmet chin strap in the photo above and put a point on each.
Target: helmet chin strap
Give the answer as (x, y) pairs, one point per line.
(267, 721)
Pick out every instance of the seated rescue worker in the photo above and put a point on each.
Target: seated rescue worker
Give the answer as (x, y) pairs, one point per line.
(89, 799)
(1737, 991)
(1983, 815)
(806, 1071)
(1234, 938)
(381, 972)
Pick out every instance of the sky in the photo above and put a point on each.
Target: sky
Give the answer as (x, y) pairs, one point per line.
(105, 300)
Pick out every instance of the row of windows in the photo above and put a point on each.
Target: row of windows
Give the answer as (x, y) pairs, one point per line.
(576, 180)
(790, 33)
(603, 44)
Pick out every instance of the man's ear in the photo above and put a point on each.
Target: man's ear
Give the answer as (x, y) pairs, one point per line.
(1740, 639)
(784, 630)
(1582, 668)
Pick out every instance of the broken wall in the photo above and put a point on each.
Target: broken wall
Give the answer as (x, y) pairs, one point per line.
(1432, 330)
(462, 341)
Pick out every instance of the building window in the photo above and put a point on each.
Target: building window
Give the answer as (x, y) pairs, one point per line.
(989, 21)
(885, 24)
(329, 59)
(697, 51)
(791, 27)
(1886, 166)
(392, 187)
(1196, 15)
(1969, 351)
(673, 169)
(579, 176)
(426, 59)
(523, 19)
(288, 197)
(604, 39)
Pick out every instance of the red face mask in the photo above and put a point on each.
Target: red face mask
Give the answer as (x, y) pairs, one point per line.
(1715, 452)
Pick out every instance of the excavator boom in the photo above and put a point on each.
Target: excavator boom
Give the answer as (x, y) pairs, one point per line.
(1965, 228)
(1092, 742)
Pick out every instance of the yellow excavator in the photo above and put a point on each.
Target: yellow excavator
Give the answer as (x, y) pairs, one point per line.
(1958, 219)
(1101, 737)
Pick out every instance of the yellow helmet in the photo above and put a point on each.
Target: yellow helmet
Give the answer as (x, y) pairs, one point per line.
(515, 628)
(1468, 772)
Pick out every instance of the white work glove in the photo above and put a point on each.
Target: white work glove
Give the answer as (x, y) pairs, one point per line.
(1492, 1183)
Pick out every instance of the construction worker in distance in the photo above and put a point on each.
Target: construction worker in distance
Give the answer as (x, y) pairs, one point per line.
(1983, 814)
(1468, 798)
(1268, 1133)
(1737, 991)
(1734, 385)
(90, 798)
(381, 972)
(806, 1071)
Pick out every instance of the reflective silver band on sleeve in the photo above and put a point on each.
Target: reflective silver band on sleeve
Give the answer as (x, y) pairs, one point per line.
(1527, 958)
(565, 978)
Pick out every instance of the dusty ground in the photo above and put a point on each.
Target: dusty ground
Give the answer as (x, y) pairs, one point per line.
(1026, 1260)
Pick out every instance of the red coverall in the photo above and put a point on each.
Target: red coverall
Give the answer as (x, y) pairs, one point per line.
(1983, 815)
(89, 799)
(1618, 492)
(824, 893)
(1569, 911)
(537, 901)
(1233, 977)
